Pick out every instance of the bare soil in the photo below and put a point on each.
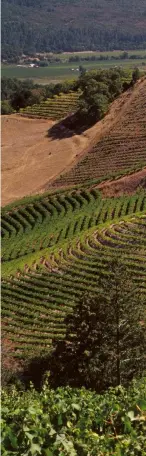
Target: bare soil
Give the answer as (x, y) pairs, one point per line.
(126, 185)
(30, 159)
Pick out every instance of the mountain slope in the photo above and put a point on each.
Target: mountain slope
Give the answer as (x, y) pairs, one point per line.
(122, 146)
(39, 25)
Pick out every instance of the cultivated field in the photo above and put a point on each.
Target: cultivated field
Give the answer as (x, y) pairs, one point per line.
(122, 146)
(55, 245)
(54, 108)
(60, 244)
(59, 72)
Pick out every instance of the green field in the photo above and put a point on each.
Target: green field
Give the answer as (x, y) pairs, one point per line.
(66, 55)
(61, 71)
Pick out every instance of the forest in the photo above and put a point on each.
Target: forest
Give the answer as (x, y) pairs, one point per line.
(30, 26)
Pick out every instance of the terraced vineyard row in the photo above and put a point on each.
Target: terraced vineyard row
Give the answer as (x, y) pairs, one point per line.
(54, 108)
(122, 148)
(34, 306)
(35, 302)
(52, 221)
(45, 223)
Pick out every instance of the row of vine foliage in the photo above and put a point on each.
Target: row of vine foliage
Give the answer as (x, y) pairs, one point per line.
(74, 422)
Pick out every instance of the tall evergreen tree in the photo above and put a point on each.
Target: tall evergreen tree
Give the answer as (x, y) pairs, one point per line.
(105, 338)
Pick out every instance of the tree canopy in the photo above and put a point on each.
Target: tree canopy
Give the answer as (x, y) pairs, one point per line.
(30, 26)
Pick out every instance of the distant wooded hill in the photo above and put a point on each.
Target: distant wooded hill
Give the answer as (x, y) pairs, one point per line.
(72, 25)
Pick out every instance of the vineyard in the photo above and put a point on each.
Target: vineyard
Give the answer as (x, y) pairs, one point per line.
(54, 249)
(73, 262)
(122, 147)
(74, 422)
(53, 108)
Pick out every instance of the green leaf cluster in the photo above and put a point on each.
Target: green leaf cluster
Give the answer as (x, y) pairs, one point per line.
(71, 422)
(99, 89)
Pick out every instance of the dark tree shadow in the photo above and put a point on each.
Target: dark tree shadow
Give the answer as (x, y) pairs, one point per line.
(74, 124)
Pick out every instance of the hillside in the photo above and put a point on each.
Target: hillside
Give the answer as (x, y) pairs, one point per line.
(120, 147)
(67, 25)
(59, 245)
(114, 146)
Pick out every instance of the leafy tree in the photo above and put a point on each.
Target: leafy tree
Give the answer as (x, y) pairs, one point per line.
(135, 75)
(20, 99)
(99, 89)
(6, 108)
(82, 70)
(124, 55)
(95, 106)
(105, 338)
(8, 87)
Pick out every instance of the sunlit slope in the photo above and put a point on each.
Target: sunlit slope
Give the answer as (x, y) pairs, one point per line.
(61, 245)
(122, 147)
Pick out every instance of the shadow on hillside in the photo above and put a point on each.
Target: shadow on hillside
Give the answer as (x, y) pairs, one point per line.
(70, 126)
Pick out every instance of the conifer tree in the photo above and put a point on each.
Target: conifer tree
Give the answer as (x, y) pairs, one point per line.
(105, 339)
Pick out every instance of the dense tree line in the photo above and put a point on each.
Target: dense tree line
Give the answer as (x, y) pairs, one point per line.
(99, 89)
(16, 94)
(64, 25)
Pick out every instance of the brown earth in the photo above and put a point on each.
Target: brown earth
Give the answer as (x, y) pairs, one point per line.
(30, 159)
(126, 185)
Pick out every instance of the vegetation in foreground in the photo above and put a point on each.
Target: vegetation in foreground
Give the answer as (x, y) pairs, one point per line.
(74, 422)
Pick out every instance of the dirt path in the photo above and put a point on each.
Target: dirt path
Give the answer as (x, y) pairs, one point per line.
(124, 185)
